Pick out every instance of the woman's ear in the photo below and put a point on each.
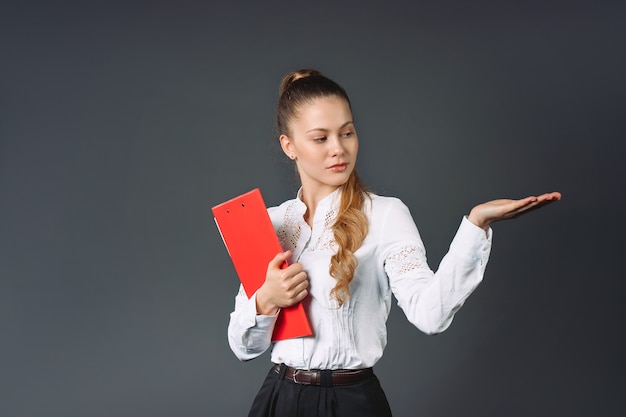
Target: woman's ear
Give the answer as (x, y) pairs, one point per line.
(287, 146)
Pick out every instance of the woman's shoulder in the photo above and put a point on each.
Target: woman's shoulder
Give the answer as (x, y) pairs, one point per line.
(390, 217)
(283, 206)
(385, 203)
(381, 209)
(286, 211)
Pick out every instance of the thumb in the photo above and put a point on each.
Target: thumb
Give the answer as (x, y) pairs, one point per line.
(279, 259)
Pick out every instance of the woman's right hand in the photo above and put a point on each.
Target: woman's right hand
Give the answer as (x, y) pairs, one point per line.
(282, 287)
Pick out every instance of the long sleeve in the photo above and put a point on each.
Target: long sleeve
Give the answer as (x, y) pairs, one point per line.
(249, 334)
(391, 261)
(430, 300)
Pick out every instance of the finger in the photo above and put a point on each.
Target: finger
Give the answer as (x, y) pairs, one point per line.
(533, 206)
(278, 260)
(528, 200)
(553, 196)
(533, 203)
(293, 269)
(301, 291)
(301, 295)
(296, 293)
(516, 207)
(301, 278)
(302, 286)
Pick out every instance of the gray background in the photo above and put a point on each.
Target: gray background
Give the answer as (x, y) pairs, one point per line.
(121, 125)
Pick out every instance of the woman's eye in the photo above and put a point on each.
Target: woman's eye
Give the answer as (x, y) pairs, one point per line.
(321, 139)
(347, 134)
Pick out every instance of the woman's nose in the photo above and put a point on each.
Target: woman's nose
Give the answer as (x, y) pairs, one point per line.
(336, 146)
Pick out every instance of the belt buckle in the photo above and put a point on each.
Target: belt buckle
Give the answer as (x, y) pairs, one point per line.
(295, 378)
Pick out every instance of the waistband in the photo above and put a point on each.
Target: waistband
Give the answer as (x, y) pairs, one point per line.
(322, 377)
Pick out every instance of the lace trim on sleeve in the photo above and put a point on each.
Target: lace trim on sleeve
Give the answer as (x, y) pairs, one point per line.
(405, 259)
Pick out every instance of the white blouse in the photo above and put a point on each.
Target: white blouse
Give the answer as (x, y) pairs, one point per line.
(392, 259)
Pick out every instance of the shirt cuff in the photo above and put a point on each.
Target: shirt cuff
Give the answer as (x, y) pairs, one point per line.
(471, 240)
(250, 318)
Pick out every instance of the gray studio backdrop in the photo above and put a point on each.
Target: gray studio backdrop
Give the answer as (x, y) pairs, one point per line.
(121, 125)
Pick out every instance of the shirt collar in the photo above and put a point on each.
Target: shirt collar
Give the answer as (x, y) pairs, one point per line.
(331, 201)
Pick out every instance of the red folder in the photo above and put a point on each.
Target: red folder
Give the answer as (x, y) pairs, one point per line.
(252, 243)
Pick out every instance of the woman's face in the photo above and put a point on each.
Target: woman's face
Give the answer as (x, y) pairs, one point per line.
(324, 144)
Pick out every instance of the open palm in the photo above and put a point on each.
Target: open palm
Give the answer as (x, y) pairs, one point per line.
(486, 213)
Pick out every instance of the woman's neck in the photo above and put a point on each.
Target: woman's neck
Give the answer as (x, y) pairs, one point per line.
(311, 200)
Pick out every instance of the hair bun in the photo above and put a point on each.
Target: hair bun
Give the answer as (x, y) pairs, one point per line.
(293, 76)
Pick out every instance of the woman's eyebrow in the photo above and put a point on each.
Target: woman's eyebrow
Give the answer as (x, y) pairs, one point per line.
(321, 129)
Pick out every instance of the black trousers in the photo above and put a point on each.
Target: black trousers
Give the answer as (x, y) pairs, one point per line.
(284, 398)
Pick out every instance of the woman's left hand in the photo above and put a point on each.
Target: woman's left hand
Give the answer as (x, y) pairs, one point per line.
(484, 214)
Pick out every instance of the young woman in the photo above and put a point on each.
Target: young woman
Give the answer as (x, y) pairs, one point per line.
(348, 250)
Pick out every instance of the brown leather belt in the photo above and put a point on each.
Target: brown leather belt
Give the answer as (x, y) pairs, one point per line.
(316, 377)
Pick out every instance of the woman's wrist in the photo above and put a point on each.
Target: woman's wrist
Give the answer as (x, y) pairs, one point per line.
(263, 306)
(478, 221)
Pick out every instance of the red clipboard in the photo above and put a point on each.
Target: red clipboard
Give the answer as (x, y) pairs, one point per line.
(252, 243)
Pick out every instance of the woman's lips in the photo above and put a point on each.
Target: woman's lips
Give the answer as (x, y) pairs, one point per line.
(338, 167)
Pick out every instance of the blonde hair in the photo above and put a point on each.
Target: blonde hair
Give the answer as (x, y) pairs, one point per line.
(351, 226)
